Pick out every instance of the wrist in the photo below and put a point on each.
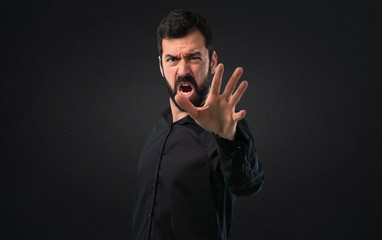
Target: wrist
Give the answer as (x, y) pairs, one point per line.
(230, 136)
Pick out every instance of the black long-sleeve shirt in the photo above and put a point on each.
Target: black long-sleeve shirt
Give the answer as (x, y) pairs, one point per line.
(188, 179)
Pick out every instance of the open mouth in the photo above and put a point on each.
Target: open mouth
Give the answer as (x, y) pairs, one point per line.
(185, 88)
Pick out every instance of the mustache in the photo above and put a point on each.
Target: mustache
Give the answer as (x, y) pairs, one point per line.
(186, 78)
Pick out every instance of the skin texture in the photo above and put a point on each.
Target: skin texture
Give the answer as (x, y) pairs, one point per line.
(189, 56)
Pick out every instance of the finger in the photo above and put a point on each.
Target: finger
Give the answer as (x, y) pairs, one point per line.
(232, 82)
(235, 98)
(239, 115)
(186, 105)
(217, 79)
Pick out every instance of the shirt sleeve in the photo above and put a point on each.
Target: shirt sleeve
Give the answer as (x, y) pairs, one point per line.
(240, 166)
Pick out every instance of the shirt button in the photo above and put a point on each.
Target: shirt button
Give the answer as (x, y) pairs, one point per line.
(149, 215)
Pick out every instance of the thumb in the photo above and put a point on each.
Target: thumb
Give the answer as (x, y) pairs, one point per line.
(186, 105)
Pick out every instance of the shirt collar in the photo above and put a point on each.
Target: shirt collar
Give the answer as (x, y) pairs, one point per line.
(167, 115)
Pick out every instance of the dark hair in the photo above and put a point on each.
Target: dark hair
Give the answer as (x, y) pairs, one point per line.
(178, 23)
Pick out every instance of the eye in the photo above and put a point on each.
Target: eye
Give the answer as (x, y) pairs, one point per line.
(171, 59)
(195, 58)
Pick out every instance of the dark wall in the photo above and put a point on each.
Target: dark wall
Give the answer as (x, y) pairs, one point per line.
(81, 89)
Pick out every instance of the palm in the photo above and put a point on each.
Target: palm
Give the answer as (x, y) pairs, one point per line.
(218, 114)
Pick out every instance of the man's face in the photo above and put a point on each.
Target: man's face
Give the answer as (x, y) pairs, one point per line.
(186, 66)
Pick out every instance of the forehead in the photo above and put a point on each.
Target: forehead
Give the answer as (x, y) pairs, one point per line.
(192, 42)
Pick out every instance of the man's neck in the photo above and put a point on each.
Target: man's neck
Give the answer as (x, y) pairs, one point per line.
(177, 114)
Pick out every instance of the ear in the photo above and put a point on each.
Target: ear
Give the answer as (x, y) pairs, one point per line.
(213, 62)
(160, 66)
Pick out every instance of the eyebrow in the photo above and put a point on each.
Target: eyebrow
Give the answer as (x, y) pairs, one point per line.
(188, 55)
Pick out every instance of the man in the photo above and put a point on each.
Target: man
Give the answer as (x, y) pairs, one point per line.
(200, 155)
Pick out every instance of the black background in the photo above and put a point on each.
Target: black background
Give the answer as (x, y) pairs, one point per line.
(81, 89)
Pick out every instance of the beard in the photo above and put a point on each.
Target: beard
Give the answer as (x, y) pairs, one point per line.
(201, 91)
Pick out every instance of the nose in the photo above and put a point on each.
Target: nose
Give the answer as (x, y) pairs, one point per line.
(183, 67)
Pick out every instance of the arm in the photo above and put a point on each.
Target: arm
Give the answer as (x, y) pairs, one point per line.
(240, 166)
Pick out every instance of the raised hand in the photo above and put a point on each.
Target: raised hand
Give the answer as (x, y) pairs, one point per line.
(218, 114)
